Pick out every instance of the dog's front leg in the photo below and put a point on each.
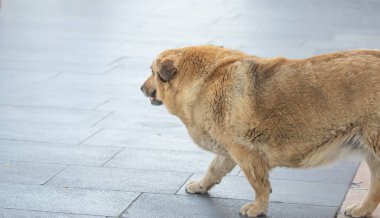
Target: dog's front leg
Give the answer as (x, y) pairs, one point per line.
(256, 170)
(218, 168)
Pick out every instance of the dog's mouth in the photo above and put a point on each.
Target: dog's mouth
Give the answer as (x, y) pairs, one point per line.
(153, 99)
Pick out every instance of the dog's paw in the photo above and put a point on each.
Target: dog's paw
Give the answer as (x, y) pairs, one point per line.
(356, 210)
(195, 187)
(252, 210)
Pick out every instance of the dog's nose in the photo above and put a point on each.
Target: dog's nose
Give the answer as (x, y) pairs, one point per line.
(142, 88)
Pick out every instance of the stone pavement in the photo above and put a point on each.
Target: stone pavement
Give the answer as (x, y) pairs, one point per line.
(78, 139)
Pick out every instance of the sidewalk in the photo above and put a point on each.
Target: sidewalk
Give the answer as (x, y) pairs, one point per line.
(78, 138)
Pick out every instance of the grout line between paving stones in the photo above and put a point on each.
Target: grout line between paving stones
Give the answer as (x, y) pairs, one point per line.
(47, 211)
(55, 143)
(101, 119)
(44, 183)
(130, 205)
(52, 77)
(52, 108)
(191, 175)
(96, 132)
(115, 61)
(110, 70)
(348, 190)
(98, 189)
(272, 201)
(101, 104)
(82, 188)
(148, 148)
(238, 199)
(110, 167)
(96, 145)
(169, 194)
(112, 157)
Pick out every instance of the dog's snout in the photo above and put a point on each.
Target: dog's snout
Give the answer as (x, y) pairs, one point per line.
(148, 91)
(153, 93)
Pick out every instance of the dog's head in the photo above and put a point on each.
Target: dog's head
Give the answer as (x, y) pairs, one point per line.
(176, 74)
(165, 74)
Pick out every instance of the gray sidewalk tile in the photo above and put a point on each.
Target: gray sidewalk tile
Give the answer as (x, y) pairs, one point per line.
(27, 173)
(45, 132)
(65, 200)
(55, 153)
(340, 172)
(129, 112)
(154, 120)
(46, 56)
(12, 81)
(120, 179)
(93, 68)
(105, 82)
(60, 90)
(36, 115)
(15, 213)
(287, 191)
(178, 206)
(42, 97)
(121, 105)
(125, 65)
(164, 160)
(155, 138)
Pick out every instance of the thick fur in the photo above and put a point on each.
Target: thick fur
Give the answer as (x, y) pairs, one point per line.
(262, 113)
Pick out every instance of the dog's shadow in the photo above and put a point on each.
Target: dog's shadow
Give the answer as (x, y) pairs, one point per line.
(218, 207)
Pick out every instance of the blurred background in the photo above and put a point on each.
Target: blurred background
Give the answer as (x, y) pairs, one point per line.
(78, 138)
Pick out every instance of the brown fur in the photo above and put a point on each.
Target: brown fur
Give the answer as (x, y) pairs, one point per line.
(265, 113)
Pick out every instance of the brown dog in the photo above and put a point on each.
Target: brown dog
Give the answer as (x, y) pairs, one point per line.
(265, 113)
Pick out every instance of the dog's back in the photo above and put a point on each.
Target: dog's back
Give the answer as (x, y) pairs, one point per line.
(315, 106)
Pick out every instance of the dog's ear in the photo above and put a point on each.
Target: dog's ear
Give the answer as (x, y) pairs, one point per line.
(167, 70)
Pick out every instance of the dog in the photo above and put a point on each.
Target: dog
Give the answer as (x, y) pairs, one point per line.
(262, 113)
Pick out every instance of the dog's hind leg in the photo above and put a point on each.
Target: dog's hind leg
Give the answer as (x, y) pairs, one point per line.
(371, 136)
(373, 196)
(219, 167)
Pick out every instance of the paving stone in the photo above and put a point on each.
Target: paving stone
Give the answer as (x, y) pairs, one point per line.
(139, 114)
(14, 80)
(93, 68)
(287, 191)
(55, 153)
(36, 115)
(176, 206)
(27, 173)
(142, 119)
(107, 80)
(340, 172)
(46, 56)
(155, 138)
(121, 105)
(7, 213)
(45, 132)
(62, 91)
(120, 179)
(125, 65)
(169, 148)
(40, 96)
(164, 160)
(65, 200)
